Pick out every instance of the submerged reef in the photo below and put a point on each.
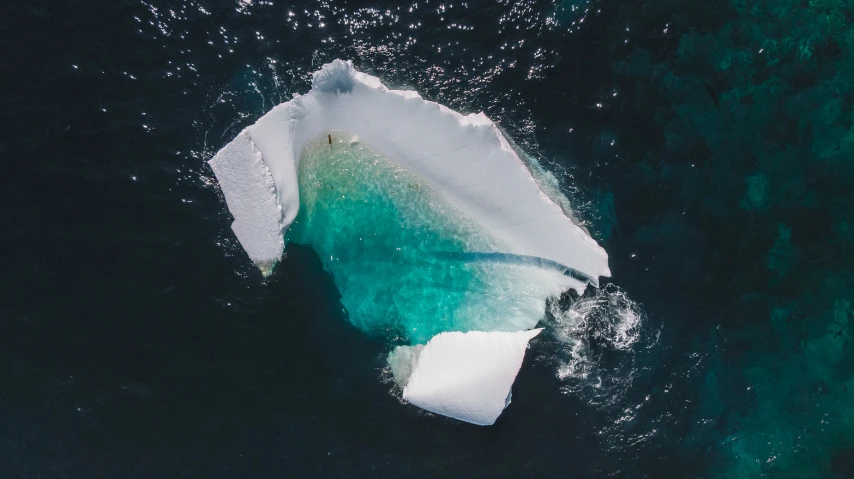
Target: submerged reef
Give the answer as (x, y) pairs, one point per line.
(756, 122)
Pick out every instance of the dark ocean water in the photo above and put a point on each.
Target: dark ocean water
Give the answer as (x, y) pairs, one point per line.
(707, 145)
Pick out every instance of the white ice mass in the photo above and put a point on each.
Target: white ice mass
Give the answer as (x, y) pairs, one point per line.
(464, 159)
(466, 376)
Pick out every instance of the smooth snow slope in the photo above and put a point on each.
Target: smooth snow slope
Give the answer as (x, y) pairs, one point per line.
(465, 159)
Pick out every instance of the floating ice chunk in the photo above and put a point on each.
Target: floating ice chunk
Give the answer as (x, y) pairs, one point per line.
(466, 376)
(465, 159)
(487, 263)
(251, 194)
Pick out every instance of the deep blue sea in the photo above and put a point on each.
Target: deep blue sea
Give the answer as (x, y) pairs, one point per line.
(707, 145)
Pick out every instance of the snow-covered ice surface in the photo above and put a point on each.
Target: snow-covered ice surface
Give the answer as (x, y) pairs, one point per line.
(251, 195)
(470, 244)
(463, 157)
(466, 376)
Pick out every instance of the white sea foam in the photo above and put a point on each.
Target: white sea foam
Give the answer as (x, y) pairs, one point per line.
(603, 327)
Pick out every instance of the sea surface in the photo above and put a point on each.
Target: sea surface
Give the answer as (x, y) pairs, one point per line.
(707, 145)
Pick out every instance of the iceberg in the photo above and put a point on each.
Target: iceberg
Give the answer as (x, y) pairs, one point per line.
(433, 227)
(465, 158)
(466, 376)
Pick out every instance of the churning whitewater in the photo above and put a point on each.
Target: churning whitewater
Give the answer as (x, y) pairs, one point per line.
(434, 230)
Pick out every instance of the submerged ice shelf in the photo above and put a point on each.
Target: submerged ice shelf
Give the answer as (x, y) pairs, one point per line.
(428, 221)
(404, 260)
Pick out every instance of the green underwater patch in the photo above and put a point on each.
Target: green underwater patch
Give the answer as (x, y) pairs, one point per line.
(392, 246)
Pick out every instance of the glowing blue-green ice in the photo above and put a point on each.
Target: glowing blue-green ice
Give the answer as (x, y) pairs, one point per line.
(384, 236)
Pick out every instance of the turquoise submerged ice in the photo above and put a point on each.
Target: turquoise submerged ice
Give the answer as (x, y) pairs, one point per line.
(384, 235)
